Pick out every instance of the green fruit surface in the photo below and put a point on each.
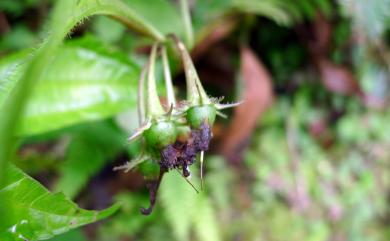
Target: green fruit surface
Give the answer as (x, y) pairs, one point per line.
(160, 134)
(201, 114)
(150, 170)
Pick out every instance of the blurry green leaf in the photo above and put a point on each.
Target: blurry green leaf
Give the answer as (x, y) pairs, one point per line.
(347, 129)
(128, 222)
(207, 10)
(83, 83)
(325, 6)
(307, 8)
(16, 7)
(73, 235)
(159, 13)
(66, 15)
(90, 148)
(267, 8)
(11, 68)
(205, 221)
(108, 29)
(187, 210)
(157, 232)
(218, 180)
(178, 200)
(38, 214)
(283, 12)
(19, 37)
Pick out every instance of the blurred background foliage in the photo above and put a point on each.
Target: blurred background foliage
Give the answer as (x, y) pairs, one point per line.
(306, 157)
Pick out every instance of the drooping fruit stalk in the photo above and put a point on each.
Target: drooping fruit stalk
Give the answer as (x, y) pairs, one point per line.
(156, 127)
(153, 185)
(196, 95)
(168, 79)
(173, 138)
(162, 131)
(141, 95)
(201, 110)
(154, 108)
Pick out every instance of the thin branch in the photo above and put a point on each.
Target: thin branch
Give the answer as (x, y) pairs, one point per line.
(141, 94)
(185, 12)
(168, 78)
(196, 95)
(153, 104)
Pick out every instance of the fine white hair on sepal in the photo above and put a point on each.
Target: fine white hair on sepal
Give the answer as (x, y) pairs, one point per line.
(228, 105)
(131, 164)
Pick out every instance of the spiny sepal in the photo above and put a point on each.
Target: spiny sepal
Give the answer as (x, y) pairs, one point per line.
(131, 164)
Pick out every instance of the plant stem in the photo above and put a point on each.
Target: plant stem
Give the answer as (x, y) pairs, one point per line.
(141, 94)
(168, 78)
(185, 12)
(196, 95)
(153, 105)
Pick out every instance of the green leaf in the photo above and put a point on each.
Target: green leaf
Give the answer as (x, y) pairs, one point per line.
(74, 235)
(108, 29)
(91, 147)
(205, 222)
(38, 214)
(178, 200)
(128, 223)
(272, 9)
(11, 69)
(69, 13)
(20, 37)
(66, 15)
(16, 8)
(186, 210)
(160, 14)
(84, 83)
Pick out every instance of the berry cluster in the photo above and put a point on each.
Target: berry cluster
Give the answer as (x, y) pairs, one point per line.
(174, 137)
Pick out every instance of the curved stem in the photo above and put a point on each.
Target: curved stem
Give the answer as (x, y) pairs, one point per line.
(153, 187)
(153, 104)
(185, 12)
(168, 78)
(141, 95)
(196, 95)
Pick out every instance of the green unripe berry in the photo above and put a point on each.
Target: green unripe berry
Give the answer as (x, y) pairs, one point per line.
(197, 115)
(161, 134)
(149, 169)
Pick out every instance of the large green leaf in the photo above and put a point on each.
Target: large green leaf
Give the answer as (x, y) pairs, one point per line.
(38, 214)
(83, 83)
(66, 15)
